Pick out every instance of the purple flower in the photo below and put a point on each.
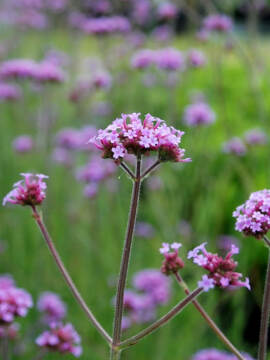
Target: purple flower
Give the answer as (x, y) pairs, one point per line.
(221, 270)
(52, 306)
(144, 230)
(23, 144)
(218, 22)
(169, 59)
(62, 156)
(29, 191)
(9, 92)
(18, 69)
(199, 113)
(253, 217)
(61, 338)
(14, 302)
(214, 354)
(167, 11)
(154, 284)
(235, 146)
(50, 72)
(130, 134)
(102, 80)
(207, 283)
(172, 262)
(105, 25)
(196, 58)
(143, 59)
(255, 137)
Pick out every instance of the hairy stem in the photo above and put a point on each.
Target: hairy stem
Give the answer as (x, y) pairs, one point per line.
(126, 255)
(162, 321)
(208, 319)
(262, 352)
(67, 277)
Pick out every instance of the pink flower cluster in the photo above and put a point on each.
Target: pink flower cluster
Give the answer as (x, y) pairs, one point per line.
(14, 302)
(165, 59)
(29, 191)
(9, 92)
(52, 307)
(167, 11)
(221, 270)
(172, 262)
(198, 114)
(218, 22)
(152, 289)
(214, 354)
(253, 217)
(42, 72)
(101, 25)
(255, 137)
(132, 135)
(61, 338)
(235, 146)
(23, 144)
(196, 58)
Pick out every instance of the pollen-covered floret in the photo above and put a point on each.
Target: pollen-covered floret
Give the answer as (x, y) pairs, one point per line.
(132, 135)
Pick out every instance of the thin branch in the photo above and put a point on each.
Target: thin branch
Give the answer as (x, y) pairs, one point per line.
(208, 319)
(266, 240)
(262, 351)
(150, 169)
(127, 170)
(67, 277)
(162, 321)
(126, 255)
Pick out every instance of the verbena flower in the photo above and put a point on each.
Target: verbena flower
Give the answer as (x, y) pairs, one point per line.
(196, 58)
(29, 191)
(144, 230)
(172, 262)
(23, 144)
(198, 114)
(218, 22)
(167, 11)
(221, 271)
(154, 284)
(9, 92)
(14, 302)
(255, 137)
(105, 25)
(18, 69)
(215, 354)
(132, 135)
(253, 217)
(52, 307)
(62, 339)
(49, 72)
(235, 146)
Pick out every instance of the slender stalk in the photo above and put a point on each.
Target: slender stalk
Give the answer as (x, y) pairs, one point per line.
(115, 354)
(262, 351)
(127, 170)
(266, 240)
(67, 277)
(5, 348)
(208, 319)
(126, 255)
(162, 321)
(150, 169)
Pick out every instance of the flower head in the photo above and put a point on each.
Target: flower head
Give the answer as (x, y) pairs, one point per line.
(29, 191)
(9, 92)
(52, 306)
(23, 144)
(198, 114)
(61, 338)
(218, 22)
(235, 146)
(196, 58)
(214, 354)
(221, 271)
(255, 137)
(253, 217)
(132, 135)
(172, 262)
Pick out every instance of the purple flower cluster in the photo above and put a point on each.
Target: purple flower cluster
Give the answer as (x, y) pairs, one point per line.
(253, 217)
(61, 338)
(29, 191)
(101, 25)
(14, 302)
(167, 11)
(165, 59)
(218, 22)
(214, 354)
(131, 135)
(235, 146)
(52, 307)
(255, 137)
(196, 58)
(151, 289)
(172, 262)
(221, 270)
(23, 144)
(42, 72)
(198, 114)
(9, 92)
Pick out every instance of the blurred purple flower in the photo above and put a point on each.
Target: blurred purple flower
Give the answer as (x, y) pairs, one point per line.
(23, 144)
